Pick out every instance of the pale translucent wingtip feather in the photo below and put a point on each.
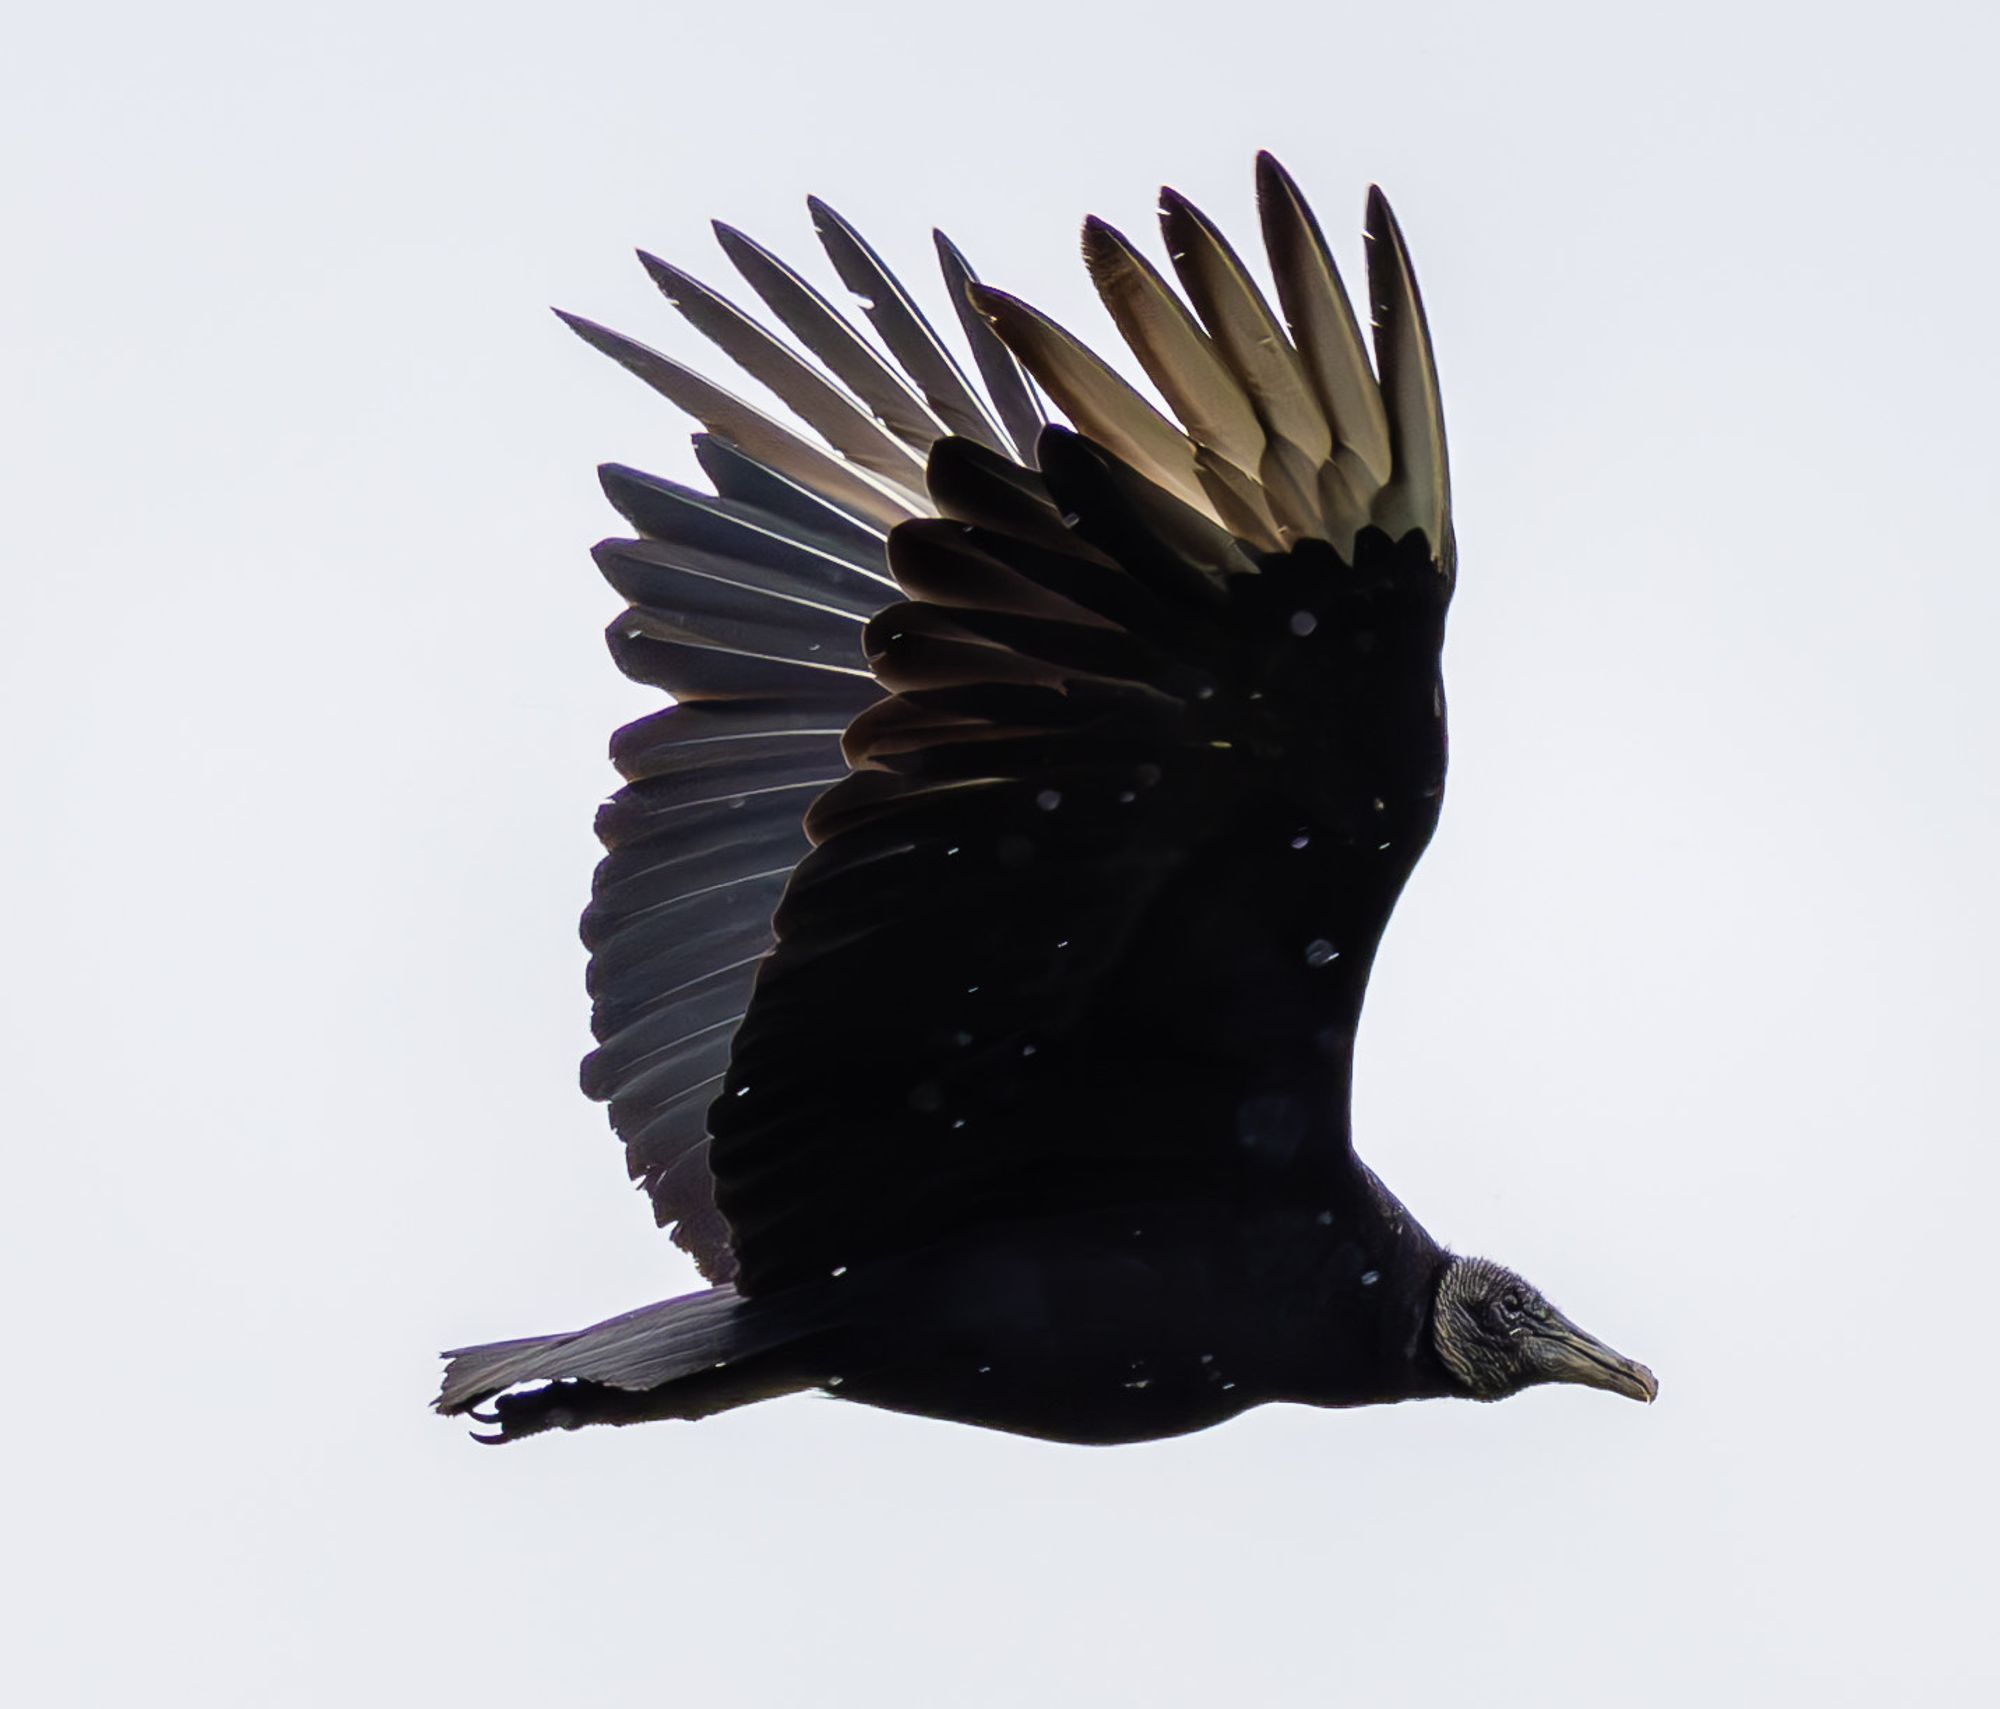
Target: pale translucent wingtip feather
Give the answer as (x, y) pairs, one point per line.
(1322, 320)
(1419, 490)
(1094, 397)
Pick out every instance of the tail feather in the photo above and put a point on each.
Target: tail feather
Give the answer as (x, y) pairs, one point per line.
(638, 1352)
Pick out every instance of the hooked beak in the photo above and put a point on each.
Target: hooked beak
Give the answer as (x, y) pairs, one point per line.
(1568, 1354)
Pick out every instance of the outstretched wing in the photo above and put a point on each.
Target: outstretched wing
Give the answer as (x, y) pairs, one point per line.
(1091, 916)
(747, 606)
(1091, 920)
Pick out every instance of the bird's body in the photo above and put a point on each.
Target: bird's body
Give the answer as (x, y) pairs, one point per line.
(1121, 1325)
(978, 974)
(1151, 1320)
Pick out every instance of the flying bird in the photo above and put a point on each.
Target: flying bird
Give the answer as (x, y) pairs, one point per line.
(981, 936)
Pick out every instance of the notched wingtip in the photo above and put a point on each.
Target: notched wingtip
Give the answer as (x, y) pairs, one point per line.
(1107, 251)
(1189, 231)
(593, 333)
(668, 279)
(742, 249)
(1272, 178)
(1380, 223)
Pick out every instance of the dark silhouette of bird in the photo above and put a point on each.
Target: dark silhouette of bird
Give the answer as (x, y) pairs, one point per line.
(982, 933)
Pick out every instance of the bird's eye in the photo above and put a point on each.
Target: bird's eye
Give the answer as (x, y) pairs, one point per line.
(1510, 1303)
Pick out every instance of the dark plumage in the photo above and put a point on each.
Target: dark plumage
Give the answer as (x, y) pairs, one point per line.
(981, 938)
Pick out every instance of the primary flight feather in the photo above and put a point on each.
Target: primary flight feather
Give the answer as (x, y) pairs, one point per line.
(982, 932)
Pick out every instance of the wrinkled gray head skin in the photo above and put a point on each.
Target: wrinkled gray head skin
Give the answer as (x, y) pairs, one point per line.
(1498, 1336)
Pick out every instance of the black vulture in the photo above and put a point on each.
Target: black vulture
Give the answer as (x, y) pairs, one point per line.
(982, 932)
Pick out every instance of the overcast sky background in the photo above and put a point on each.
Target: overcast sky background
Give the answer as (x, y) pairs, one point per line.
(1688, 1014)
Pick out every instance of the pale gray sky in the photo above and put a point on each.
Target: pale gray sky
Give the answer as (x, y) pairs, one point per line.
(1687, 1014)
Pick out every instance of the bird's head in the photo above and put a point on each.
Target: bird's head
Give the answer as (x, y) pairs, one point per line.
(1497, 1336)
